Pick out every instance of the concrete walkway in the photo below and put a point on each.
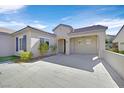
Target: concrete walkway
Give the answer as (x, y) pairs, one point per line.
(57, 71)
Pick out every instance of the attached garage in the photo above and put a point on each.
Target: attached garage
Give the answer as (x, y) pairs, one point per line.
(84, 45)
(86, 40)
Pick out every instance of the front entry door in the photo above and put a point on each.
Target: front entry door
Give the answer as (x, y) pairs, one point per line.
(62, 46)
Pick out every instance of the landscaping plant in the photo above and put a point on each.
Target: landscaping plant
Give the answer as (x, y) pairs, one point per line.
(53, 48)
(43, 48)
(25, 56)
(114, 50)
(122, 52)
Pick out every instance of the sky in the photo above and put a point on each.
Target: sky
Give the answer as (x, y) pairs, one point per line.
(48, 17)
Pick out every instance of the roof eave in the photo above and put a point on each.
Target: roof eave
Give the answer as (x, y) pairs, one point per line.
(118, 33)
(31, 28)
(62, 25)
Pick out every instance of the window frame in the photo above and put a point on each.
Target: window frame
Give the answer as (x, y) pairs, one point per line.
(42, 40)
(45, 39)
(17, 44)
(24, 42)
(20, 43)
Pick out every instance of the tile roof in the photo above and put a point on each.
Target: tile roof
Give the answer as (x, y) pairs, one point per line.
(34, 29)
(62, 25)
(90, 28)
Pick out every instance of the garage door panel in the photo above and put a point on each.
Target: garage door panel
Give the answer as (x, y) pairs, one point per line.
(86, 45)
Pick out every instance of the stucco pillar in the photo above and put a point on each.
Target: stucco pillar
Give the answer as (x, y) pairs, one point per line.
(57, 50)
(67, 46)
(28, 41)
(101, 39)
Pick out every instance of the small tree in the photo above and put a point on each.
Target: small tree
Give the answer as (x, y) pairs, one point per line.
(53, 48)
(43, 48)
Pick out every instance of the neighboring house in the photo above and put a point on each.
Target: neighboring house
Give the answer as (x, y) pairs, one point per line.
(119, 39)
(6, 42)
(109, 39)
(87, 40)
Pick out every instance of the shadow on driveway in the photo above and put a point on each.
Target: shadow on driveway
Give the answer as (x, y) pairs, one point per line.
(83, 62)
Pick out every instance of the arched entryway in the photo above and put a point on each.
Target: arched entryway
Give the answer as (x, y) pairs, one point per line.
(62, 46)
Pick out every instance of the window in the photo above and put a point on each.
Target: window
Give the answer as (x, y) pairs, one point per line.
(20, 42)
(41, 40)
(44, 40)
(47, 43)
(24, 43)
(16, 43)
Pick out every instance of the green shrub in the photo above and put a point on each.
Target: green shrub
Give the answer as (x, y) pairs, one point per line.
(122, 52)
(53, 48)
(25, 56)
(115, 50)
(43, 48)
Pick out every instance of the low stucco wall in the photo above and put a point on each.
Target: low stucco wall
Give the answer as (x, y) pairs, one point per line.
(116, 61)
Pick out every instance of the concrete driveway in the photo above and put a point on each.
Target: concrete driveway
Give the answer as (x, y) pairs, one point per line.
(59, 71)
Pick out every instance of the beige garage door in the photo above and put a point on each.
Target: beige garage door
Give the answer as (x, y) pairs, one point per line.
(85, 45)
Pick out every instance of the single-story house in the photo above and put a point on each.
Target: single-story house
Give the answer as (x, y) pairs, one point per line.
(119, 39)
(86, 40)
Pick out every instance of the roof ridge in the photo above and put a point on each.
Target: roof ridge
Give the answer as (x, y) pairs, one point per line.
(63, 25)
(91, 26)
(39, 29)
(119, 32)
(35, 29)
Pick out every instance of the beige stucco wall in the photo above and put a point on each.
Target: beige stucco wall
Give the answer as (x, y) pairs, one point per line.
(35, 41)
(98, 45)
(62, 33)
(20, 34)
(84, 45)
(116, 61)
(6, 44)
(101, 43)
(120, 40)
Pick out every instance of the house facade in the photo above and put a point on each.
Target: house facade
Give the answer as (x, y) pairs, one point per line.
(29, 38)
(87, 40)
(119, 39)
